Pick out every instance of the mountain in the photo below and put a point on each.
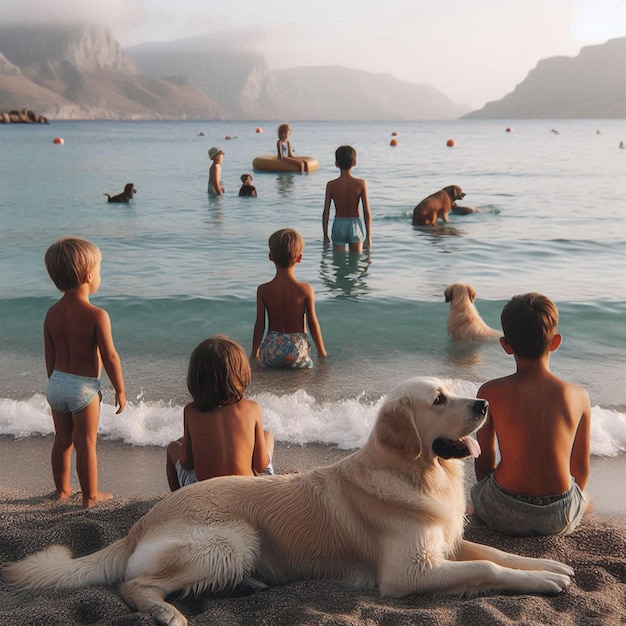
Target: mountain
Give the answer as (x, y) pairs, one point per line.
(243, 84)
(590, 85)
(79, 71)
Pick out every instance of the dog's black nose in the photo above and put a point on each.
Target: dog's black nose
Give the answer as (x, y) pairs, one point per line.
(481, 407)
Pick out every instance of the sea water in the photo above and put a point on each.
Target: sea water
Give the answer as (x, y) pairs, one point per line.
(179, 266)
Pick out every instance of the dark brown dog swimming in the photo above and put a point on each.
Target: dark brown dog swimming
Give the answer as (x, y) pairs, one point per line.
(125, 196)
(437, 206)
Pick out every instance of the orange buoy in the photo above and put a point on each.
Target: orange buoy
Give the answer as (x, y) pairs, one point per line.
(58, 140)
(508, 129)
(393, 142)
(450, 143)
(394, 133)
(259, 129)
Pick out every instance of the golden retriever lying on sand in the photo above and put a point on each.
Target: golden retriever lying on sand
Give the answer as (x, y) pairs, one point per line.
(464, 320)
(437, 206)
(390, 516)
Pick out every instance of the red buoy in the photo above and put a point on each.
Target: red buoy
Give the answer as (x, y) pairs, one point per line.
(393, 142)
(394, 133)
(508, 129)
(259, 129)
(58, 140)
(228, 137)
(450, 143)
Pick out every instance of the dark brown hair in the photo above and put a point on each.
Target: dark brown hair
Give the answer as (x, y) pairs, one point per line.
(69, 261)
(286, 245)
(345, 156)
(218, 374)
(529, 322)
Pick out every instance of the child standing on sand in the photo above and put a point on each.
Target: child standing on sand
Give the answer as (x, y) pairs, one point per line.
(542, 426)
(222, 431)
(285, 151)
(290, 305)
(78, 340)
(346, 192)
(215, 171)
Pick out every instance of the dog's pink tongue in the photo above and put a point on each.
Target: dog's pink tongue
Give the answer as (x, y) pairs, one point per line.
(472, 445)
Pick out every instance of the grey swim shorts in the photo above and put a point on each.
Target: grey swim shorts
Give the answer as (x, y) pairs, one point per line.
(524, 516)
(70, 393)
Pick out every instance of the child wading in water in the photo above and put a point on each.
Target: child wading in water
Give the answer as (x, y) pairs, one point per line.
(222, 431)
(346, 192)
(285, 151)
(78, 340)
(290, 305)
(215, 172)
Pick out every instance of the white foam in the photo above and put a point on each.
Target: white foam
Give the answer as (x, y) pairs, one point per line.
(295, 418)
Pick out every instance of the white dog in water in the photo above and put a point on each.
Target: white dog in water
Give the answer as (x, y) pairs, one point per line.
(390, 516)
(464, 320)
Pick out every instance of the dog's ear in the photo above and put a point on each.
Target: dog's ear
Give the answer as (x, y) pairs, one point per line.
(448, 293)
(471, 292)
(396, 427)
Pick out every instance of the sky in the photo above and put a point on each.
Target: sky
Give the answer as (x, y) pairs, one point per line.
(474, 51)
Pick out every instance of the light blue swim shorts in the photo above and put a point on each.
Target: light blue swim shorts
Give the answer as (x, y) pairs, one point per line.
(524, 516)
(347, 230)
(188, 477)
(286, 350)
(70, 393)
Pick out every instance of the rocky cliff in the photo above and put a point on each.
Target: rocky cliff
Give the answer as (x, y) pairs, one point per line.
(590, 85)
(80, 72)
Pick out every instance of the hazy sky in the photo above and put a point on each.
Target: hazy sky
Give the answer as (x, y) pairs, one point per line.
(472, 50)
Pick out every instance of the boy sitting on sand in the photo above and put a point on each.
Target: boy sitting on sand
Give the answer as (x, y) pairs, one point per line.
(542, 427)
(77, 341)
(222, 431)
(290, 305)
(346, 192)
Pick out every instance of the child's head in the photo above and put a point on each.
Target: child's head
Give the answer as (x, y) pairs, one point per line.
(283, 130)
(214, 152)
(246, 179)
(286, 246)
(70, 260)
(529, 322)
(218, 374)
(345, 157)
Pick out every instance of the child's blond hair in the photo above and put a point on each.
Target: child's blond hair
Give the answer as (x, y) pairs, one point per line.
(286, 245)
(69, 261)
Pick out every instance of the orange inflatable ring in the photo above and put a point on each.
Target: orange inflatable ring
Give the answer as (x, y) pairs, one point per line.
(271, 163)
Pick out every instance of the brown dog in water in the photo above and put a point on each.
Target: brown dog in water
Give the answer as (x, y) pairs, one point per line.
(125, 196)
(436, 206)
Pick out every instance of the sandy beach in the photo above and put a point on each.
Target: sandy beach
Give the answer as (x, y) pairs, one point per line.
(30, 520)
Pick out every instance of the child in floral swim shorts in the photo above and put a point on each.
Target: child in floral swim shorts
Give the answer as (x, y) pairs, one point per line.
(289, 305)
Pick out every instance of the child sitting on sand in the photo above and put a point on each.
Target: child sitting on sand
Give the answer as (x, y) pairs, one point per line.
(285, 151)
(77, 341)
(290, 305)
(222, 431)
(247, 188)
(215, 172)
(542, 426)
(346, 192)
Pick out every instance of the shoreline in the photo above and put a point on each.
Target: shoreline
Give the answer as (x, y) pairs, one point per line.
(31, 520)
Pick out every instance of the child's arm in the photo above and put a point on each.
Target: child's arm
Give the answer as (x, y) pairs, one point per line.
(186, 451)
(326, 214)
(279, 150)
(486, 436)
(261, 456)
(314, 327)
(110, 357)
(579, 461)
(259, 325)
(49, 351)
(218, 179)
(367, 214)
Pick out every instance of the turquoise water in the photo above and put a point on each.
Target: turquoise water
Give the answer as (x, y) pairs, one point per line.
(179, 266)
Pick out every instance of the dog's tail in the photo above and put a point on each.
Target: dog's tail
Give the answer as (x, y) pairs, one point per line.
(55, 568)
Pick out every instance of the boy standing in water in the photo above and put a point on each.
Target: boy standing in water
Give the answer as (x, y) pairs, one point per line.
(290, 305)
(542, 426)
(78, 340)
(346, 192)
